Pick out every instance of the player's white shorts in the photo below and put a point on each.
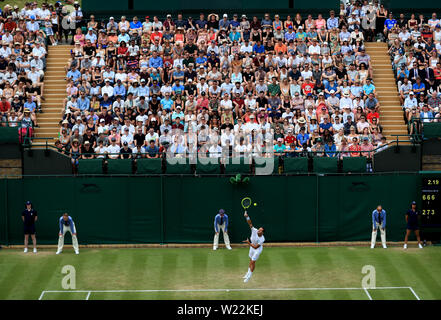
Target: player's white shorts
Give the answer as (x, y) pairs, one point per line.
(255, 253)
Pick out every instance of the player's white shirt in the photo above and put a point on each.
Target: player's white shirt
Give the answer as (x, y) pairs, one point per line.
(255, 239)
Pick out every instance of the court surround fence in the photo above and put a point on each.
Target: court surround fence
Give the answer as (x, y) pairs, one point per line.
(181, 209)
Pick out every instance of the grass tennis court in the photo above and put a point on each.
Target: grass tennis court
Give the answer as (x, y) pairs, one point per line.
(200, 273)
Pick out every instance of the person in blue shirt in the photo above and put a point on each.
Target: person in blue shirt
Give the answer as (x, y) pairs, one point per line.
(152, 151)
(378, 221)
(143, 90)
(412, 224)
(136, 25)
(234, 35)
(119, 90)
(29, 104)
(155, 61)
(66, 224)
(74, 74)
(302, 137)
(290, 34)
(258, 47)
(332, 21)
(221, 223)
(325, 125)
(368, 88)
(330, 149)
(389, 23)
(83, 103)
(166, 102)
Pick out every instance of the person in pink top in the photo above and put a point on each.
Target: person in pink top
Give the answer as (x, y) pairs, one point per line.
(366, 148)
(366, 151)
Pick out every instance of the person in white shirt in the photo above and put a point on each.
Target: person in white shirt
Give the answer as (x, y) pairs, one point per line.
(409, 103)
(227, 86)
(314, 48)
(346, 101)
(107, 89)
(246, 47)
(226, 103)
(113, 149)
(127, 136)
(100, 150)
(215, 151)
(256, 247)
(152, 135)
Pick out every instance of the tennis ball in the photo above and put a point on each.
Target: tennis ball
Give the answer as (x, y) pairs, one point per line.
(255, 204)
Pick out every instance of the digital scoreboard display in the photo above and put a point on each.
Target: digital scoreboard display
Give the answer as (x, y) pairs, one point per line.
(431, 202)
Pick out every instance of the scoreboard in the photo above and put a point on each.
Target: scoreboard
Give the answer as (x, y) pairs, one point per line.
(431, 202)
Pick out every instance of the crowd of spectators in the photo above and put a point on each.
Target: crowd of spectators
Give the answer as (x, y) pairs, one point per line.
(24, 40)
(241, 84)
(415, 47)
(138, 87)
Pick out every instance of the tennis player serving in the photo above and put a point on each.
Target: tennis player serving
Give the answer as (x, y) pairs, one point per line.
(256, 247)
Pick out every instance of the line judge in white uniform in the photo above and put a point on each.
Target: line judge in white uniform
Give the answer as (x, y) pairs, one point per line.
(256, 247)
(67, 224)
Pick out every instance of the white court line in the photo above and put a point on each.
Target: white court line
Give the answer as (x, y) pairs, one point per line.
(89, 292)
(41, 296)
(369, 296)
(418, 298)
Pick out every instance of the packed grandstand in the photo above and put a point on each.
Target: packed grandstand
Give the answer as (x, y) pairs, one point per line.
(217, 84)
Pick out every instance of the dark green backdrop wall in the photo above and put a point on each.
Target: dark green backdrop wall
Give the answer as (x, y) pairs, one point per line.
(196, 6)
(182, 209)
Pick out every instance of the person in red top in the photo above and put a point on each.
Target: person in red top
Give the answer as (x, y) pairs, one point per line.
(290, 138)
(5, 106)
(372, 114)
(10, 25)
(307, 86)
(156, 35)
(355, 148)
(437, 73)
(123, 50)
(321, 112)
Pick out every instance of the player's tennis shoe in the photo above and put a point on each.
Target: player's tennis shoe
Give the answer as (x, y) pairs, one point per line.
(420, 246)
(35, 250)
(384, 246)
(405, 246)
(372, 246)
(246, 279)
(77, 252)
(229, 247)
(214, 248)
(58, 252)
(25, 250)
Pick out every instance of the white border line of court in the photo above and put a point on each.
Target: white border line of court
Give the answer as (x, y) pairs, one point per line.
(89, 292)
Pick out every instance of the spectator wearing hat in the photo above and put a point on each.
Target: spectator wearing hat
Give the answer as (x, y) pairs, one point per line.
(87, 152)
(221, 223)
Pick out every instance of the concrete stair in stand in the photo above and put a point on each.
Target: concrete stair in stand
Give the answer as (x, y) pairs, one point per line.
(54, 93)
(391, 114)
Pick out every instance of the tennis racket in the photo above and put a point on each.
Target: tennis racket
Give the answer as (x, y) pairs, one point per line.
(246, 203)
